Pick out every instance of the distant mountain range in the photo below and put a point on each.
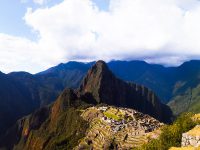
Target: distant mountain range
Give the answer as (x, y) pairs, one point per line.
(177, 86)
(61, 126)
(21, 93)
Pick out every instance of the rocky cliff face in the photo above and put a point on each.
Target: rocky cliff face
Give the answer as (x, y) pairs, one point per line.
(60, 125)
(101, 86)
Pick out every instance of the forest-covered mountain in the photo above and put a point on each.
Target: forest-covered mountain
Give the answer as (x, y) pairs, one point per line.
(21, 92)
(60, 125)
(179, 85)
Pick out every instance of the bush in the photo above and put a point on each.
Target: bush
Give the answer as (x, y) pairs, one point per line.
(171, 134)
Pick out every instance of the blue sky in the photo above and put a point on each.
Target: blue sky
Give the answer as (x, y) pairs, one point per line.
(13, 11)
(38, 34)
(11, 14)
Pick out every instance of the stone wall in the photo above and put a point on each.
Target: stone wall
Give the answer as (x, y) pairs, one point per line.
(191, 138)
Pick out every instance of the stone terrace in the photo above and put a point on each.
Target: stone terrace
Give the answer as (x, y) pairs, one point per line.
(127, 128)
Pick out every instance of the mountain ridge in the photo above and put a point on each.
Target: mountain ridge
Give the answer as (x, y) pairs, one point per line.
(169, 84)
(47, 119)
(101, 85)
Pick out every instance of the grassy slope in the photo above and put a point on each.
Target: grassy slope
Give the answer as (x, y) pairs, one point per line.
(172, 134)
(182, 102)
(67, 129)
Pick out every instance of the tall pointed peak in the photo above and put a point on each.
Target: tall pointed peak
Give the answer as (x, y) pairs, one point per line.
(97, 72)
(100, 63)
(99, 67)
(101, 86)
(92, 83)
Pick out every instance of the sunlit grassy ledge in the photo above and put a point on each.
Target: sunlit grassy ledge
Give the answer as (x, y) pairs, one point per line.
(184, 148)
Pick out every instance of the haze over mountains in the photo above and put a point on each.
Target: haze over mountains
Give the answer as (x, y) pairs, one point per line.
(21, 93)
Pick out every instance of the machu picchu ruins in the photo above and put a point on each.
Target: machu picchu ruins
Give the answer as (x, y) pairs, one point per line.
(122, 127)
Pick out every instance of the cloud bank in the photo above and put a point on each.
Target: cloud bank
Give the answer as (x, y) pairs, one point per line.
(158, 31)
(40, 2)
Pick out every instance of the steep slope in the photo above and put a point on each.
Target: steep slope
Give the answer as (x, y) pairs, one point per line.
(156, 77)
(149, 75)
(172, 84)
(15, 101)
(101, 86)
(60, 125)
(33, 91)
(186, 94)
(47, 85)
(21, 92)
(186, 101)
(64, 75)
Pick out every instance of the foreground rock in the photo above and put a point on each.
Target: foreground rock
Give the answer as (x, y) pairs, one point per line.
(192, 137)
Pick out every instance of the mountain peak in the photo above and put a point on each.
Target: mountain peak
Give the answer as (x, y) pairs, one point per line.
(99, 68)
(100, 63)
(101, 86)
(92, 83)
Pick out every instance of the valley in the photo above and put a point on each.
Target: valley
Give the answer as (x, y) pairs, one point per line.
(99, 75)
(76, 119)
(104, 112)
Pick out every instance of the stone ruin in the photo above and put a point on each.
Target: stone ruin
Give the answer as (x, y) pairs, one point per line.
(191, 138)
(142, 123)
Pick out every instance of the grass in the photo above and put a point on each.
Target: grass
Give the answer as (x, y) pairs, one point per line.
(181, 102)
(81, 110)
(114, 113)
(112, 116)
(184, 148)
(196, 117)
(171, 135)
(195, 131)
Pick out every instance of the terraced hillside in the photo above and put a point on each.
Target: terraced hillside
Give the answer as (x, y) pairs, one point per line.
(114, 127)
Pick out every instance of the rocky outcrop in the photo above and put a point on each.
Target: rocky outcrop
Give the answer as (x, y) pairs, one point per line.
(191, 138)
(101, 86)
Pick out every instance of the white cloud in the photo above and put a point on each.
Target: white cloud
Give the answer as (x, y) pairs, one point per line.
(39, 1)
(18, 54)
(159, 31)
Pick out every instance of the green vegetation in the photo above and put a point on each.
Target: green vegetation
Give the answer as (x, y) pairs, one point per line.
(171, 134)
(112, 116)
(61, 134)
(115, 114)
(184, 148)
(186, 101)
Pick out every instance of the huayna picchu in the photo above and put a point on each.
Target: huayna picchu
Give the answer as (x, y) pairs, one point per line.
(103, 113)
